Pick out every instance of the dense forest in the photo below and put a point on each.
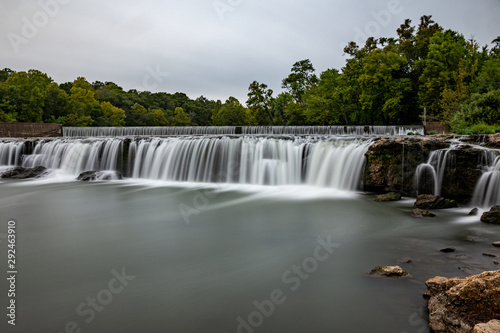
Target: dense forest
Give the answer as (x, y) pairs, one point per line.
(387, 81)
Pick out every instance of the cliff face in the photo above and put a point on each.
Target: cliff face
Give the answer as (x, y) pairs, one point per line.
(392, 164)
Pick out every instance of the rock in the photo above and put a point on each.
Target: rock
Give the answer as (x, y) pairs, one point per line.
(495, 262)
(458, 304)
(473, 212)
(493, 216)
(99, 175)
(429, 201)
(448, 250)
(493, 326)
(391, 196)
(417, 212)
(24, 173)
(389, 271)
(497, 244)
(489, 255)
(405, 260)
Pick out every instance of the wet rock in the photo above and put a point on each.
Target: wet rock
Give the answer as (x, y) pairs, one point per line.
(389, 271)
(391, 196)
(429, 201)
(448, 250)
(495, 262)
(473, 212)
(99, 175)
(24, 173)
(458, 304)
(493, 216)
(493, 326)
(417, 212)
(405, 260)
(497, 244)
(489, 255)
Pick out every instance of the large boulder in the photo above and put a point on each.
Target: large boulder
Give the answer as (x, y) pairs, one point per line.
(391, 196)
(429, 201)
(24, 173)
(456, 305)
(493, 216)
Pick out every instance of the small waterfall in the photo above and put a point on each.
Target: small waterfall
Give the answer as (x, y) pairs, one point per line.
(11, 152)
(248, 130)
(429, 176)
(487, 191)
(75, 156)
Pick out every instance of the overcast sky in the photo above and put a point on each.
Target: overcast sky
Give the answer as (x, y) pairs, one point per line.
(206, 47)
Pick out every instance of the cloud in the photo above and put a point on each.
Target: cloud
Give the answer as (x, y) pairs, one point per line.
(205, 54)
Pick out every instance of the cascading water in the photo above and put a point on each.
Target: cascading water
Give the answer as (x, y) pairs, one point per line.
(316, 161)
(228, 130)
(487, 192)
(429, 176)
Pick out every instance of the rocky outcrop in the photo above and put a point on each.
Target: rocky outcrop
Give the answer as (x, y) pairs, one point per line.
(88, 176)
(428, 201)
(389, 271)
(493, 326)
(391, 164)
(493, 216)
(391, 196)
(24, 173)
(456, 305)
(417, 212)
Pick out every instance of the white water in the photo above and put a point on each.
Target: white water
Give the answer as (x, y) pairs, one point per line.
(317, 161)
(434, 168)
(487, 192)
(226, 130)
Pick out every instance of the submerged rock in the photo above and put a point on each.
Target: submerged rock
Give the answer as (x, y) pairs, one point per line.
(490, 327)
(391, 196)
(493, 216)
(24, 173)
(458, 304)
(429, 201)
(497, 244)
(389, 271)
(99, 175)
(417, 212)
(473, 212)
(448, 250)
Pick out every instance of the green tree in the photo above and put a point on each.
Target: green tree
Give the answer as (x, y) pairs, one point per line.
(300, 80)
(258, 104)
(113, 116)
(231, 113)
(181, 118)
(56, 103)
(30, 90)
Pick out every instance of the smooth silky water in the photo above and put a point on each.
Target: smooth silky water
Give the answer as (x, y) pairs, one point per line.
(210, 257)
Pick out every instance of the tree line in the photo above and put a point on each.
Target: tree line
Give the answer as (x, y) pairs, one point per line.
(387, 81)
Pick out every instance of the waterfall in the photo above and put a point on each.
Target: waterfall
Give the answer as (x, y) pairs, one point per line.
(316, 161)
(249, 130)
(433, 170)
(487, 191)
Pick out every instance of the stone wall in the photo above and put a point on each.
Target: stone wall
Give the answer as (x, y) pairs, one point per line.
(29, 130)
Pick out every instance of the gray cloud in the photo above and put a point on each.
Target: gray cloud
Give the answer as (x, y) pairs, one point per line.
(211, 48)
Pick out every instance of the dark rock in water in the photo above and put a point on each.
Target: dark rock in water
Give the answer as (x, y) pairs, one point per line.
(448, 250)
(495, 262)
(489, 255)
(99, 175)
(458, 304)
(493, 216)
(405, 260)
(417, 212)
(389, 271)
(473, 212)
(24, 173)
(391, 196)
(497, 244)
(429, 201)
